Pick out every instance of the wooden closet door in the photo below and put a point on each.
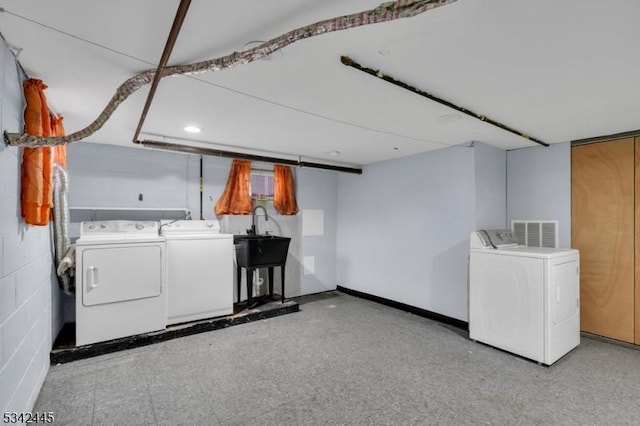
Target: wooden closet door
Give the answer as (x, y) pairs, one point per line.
(602, 228)
(637, 235)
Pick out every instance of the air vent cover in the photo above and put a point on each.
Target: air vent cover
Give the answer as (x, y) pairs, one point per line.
(536, 233)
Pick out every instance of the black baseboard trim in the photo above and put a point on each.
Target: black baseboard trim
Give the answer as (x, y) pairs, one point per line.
(61, 356)
(407, 308)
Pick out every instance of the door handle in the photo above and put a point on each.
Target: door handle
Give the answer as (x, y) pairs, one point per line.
(92, 278)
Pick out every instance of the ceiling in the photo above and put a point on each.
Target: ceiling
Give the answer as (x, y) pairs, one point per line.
(556, 70)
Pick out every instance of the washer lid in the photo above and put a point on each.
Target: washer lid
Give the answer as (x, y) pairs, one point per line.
(170, 227)
(541, 252)
(114, 230)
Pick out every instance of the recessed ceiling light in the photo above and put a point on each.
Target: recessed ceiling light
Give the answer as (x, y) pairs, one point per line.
(448, 118)
(192, 129)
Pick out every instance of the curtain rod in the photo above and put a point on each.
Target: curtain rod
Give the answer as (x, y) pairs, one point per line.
(378, 74)
(243, 156)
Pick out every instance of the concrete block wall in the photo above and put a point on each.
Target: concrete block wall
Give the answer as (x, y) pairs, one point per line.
(29, 313)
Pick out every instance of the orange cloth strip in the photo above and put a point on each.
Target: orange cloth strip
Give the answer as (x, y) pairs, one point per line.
(236, 198)
(37, 163)
(57, 129)
(284, 194)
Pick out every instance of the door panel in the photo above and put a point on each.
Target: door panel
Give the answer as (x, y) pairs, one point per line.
(637, 241)
(110, 275)
(565, 289)
(602, 218)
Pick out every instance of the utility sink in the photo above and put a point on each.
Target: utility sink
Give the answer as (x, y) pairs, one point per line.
(257, 251)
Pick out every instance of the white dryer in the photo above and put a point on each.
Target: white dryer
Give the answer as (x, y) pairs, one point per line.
(120, 280)
(525, 300)
(199, 270)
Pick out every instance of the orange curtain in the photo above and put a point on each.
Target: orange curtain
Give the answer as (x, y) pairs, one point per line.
(57, 129)
(284, 194)
(37, 163)
(236, 198)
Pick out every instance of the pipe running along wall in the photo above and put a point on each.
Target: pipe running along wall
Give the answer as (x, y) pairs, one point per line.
(244, 156)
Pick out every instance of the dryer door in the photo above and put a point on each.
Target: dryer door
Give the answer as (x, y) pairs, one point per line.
(565, 288)
(118, 273)
(563, 322)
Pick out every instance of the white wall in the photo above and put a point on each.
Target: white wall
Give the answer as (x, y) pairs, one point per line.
(29, 294)
(403, 229)
(114, 176)
(215, 174)
(318, 199)
(539, 186)
(491, 186)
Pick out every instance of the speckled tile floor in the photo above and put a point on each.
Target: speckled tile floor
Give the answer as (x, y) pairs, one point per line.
(343, 360)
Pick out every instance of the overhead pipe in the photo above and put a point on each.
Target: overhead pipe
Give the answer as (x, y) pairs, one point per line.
(379, 74)
(201, 189)
(385, 12)
(168, 47)
(244, 156)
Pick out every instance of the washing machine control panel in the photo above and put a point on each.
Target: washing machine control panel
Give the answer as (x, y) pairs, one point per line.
(118, 228)
(189, 227)
(493, 238)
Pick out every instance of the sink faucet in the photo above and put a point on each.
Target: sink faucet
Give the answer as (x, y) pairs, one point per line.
(254, 230)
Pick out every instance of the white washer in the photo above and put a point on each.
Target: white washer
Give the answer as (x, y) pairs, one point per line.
(120, 280)
(525, 300)
(199, 270)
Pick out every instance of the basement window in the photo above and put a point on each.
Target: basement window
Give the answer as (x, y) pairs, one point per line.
(261, 186)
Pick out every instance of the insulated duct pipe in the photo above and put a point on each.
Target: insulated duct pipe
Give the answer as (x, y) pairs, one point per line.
(389, 11)
(64, 257)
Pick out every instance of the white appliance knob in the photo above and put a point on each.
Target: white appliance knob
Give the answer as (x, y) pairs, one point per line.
(91, 227)
(139, 226)
(103, 226)
(209, 224)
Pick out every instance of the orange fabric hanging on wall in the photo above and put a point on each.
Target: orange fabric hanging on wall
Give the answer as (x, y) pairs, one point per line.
(47, 160)
(236, 198)
(34, 160)
(284, 194)
(57, 129)
(31, 193)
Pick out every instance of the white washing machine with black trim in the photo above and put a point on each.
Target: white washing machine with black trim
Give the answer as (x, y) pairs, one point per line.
(199, 270)
(120, 280)
(525, 300)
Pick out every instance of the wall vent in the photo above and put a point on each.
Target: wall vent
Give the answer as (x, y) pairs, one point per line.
(536, 233)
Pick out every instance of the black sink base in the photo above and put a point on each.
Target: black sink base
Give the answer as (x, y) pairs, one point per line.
(251, 301)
